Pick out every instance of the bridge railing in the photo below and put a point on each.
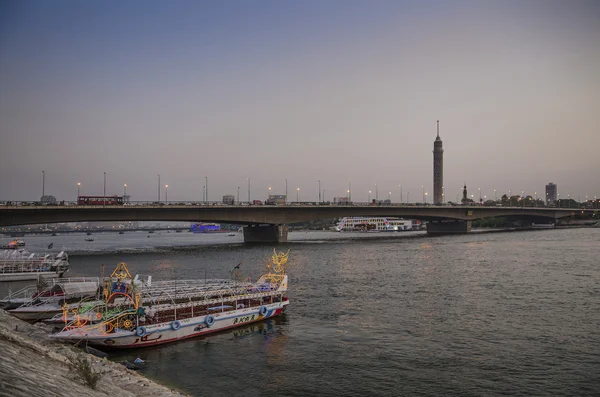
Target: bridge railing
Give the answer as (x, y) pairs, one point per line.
(200, 204)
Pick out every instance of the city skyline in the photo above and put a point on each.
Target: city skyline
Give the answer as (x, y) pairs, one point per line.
(296, 93)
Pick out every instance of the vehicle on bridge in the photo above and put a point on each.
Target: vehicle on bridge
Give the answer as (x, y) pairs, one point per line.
(376, 224)
(100, 200)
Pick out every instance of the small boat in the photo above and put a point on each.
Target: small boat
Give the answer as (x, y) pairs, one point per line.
(53, 234)
(20, 265)
(121, 232)
(89, 233)
(542, 226)
(139, 315)
(89, 238)
(231, 234)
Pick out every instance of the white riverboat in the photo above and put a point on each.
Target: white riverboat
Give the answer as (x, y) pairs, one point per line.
(138, 315)
(20, 265)
(376, 224)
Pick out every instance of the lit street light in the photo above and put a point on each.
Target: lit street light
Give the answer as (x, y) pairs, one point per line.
(43, 184)
(425, 197)
(167, 194)
(297, 195)
(104, 203)
(238, 196)
(124, 190)
(369, 196)
(319, 191)
(390, 197)
(78, 185)
(158, 189)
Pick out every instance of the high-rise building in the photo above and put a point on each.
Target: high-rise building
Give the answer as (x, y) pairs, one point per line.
(551, 193)
(438, 168)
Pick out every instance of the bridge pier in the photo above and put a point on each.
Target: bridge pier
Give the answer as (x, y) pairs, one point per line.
(451, 227)
(265, 234)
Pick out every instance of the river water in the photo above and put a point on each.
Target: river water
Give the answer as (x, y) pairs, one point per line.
(403, 314)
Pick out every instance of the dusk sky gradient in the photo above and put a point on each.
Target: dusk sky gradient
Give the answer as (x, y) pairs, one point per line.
(336, 91)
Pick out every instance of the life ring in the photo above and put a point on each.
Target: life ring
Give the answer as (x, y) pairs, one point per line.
(175, 325)
(140, 331)
(263, 311)
(209, 320)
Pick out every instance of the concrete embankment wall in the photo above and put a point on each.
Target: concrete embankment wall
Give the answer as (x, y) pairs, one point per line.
(32, 365)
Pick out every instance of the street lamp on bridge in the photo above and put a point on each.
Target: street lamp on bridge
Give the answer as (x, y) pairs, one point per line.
(78, 185)
(400, 194)
(238, 196)
(297, 195)
(167, 194)
(369, 196)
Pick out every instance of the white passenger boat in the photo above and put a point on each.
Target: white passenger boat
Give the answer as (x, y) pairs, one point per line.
(145, 315)
(376, 224)
(20, 265)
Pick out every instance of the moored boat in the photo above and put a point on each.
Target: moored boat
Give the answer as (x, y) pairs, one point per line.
(146, 315)
(21, 265)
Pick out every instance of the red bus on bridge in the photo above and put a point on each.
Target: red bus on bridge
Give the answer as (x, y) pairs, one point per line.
(100, 200)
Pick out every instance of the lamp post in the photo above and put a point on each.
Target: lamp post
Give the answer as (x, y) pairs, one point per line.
(425, 198)
(390, 197)
(495, 196)
(78, 185)
(423, 188)
(43, 184)
(248, 190)
(479, 195)
(204, 194)
(124, 191)
(376, 193)
(400, 194)
(297, 195)
(369, 196)
(158, 189)
(238, 196)
(348, 197)
(167, 194)
(349, 193)
(206, 184)
(286, 190)
(269, 196)
(319, 191)
(104, 197)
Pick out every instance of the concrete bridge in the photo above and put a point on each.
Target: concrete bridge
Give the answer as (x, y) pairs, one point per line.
(267, 223)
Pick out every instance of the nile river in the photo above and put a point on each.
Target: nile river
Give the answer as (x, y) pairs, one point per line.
(403, 314)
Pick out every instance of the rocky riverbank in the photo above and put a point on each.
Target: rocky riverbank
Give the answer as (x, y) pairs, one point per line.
(32, 365)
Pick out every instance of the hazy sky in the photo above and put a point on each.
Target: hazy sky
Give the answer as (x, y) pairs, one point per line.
(337, 91)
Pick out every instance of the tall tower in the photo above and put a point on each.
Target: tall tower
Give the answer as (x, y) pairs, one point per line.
(438, 168)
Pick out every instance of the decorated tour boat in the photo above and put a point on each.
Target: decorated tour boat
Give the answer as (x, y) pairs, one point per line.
(138, 314)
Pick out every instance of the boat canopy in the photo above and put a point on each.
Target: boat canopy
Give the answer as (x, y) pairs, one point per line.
(76, 289)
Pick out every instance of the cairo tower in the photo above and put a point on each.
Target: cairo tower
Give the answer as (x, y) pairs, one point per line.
(438, 169)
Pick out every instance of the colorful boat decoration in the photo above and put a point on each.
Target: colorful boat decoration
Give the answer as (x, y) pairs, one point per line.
(145, 314)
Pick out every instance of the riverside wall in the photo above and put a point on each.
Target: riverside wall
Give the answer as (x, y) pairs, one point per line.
(32, 365)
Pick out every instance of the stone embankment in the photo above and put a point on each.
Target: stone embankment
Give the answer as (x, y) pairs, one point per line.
(31, 365)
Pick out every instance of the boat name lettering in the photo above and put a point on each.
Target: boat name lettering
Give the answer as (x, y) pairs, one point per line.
(244, 319)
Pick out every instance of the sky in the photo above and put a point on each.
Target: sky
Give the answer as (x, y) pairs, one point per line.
(339, 91)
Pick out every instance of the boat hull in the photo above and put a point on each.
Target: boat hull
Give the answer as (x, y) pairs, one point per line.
(29, 276)
(156, 334)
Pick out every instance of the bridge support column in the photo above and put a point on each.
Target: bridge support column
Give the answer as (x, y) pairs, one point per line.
(453, 227)
(265, 234)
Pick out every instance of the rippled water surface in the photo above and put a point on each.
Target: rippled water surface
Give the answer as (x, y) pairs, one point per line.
(471, 315)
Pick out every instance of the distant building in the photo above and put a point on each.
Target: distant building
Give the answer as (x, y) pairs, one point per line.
(438, 169)
(276, 199)
(229, 199)
(551, 193)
